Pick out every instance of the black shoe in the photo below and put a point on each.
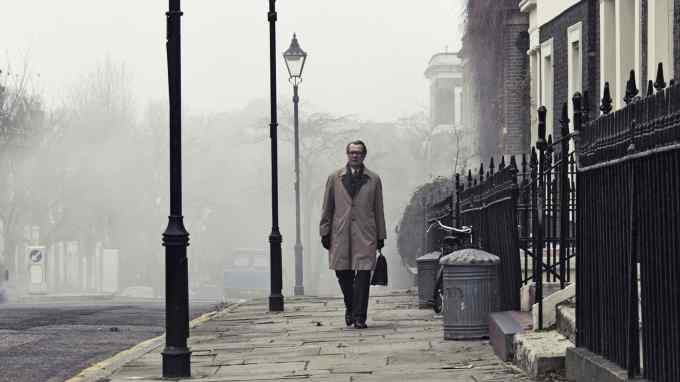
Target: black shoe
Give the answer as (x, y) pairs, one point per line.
(360, 325)
(348, 318)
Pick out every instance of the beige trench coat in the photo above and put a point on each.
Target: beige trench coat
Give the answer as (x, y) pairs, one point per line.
(355, 224)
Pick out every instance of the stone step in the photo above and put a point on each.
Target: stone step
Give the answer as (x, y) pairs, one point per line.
(502, 328)
(550, 304)
(539, 353)
(566, 320)
(528, 294)
(584, 366)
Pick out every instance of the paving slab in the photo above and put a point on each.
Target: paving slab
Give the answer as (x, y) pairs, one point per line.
(310, 341)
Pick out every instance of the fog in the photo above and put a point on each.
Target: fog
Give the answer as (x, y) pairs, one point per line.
(84, 156)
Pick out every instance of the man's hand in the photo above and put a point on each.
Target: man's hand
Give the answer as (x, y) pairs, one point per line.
(326, 242)
(381, 243)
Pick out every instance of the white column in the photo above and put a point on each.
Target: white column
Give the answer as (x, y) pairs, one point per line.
(608, 45)
(547, 84)
(625, 46)
(574, 64)
(458, 106)
(660, 32)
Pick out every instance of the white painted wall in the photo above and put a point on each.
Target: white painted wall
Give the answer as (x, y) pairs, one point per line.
(549, 9)
(531, 8)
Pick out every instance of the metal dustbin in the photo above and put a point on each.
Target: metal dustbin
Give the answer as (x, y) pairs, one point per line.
(471, 292)
(428, 265)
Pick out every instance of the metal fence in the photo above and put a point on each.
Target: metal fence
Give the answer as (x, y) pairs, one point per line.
(615, 203)
(521, 214)
(629, 219)
(490, 208)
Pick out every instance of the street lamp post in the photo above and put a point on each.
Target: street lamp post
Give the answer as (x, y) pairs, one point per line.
(275, 239)
(176, 354)
(295, 59)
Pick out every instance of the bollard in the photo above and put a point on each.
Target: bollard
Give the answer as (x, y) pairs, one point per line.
(428, 265)
(471, 292)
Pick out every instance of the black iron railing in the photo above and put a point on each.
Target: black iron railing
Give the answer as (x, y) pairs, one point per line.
(615, 203)
(523, 215)
(629, 219)
(489, 206)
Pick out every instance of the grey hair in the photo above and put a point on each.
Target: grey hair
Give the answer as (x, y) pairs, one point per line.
(357, 142)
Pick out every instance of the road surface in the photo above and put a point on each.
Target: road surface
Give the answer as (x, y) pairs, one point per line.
(45, 342)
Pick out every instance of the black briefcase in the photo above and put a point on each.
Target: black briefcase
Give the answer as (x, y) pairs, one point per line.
(380, 272)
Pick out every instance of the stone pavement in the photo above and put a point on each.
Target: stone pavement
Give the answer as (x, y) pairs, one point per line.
(310, 341)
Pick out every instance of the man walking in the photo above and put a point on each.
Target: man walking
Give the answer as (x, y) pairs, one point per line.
(352, 229)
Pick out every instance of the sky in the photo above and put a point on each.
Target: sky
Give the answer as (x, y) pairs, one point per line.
(366, 57)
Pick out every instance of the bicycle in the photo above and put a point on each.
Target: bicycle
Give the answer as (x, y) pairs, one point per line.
(456, 238)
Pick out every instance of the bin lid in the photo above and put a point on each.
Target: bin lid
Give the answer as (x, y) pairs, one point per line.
(429, 256)
(469, 256)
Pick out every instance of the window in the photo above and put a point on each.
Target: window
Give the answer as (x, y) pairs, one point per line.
(547, 83)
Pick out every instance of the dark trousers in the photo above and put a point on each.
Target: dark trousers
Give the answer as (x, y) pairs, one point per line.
(355, 286)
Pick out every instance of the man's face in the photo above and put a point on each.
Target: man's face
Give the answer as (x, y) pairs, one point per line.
(355, 155)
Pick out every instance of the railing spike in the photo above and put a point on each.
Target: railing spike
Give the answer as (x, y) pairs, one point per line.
(585, 106)
(606, 105)
(502, 164)
(469, 178)
(660, 83)
(542, 112)
(631, 89)
(577, 103)
(481, 172)
(513, 162)
(491, 166)
(564, 120)
(650, 88)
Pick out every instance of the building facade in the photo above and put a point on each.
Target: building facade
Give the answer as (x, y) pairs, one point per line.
(520, 55)
(579, 45)
(496, 76)
(447, 120)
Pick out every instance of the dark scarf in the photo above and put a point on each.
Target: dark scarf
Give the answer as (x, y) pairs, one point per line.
(354, 182)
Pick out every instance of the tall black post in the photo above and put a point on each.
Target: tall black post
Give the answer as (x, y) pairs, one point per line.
(539, 240)
(275, 239)
(633, 340)
(564, 195)
(299, 287)
(176, 354)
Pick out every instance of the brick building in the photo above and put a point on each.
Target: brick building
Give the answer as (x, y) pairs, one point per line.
(519, 55)
(579, 45)
(495, 67)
